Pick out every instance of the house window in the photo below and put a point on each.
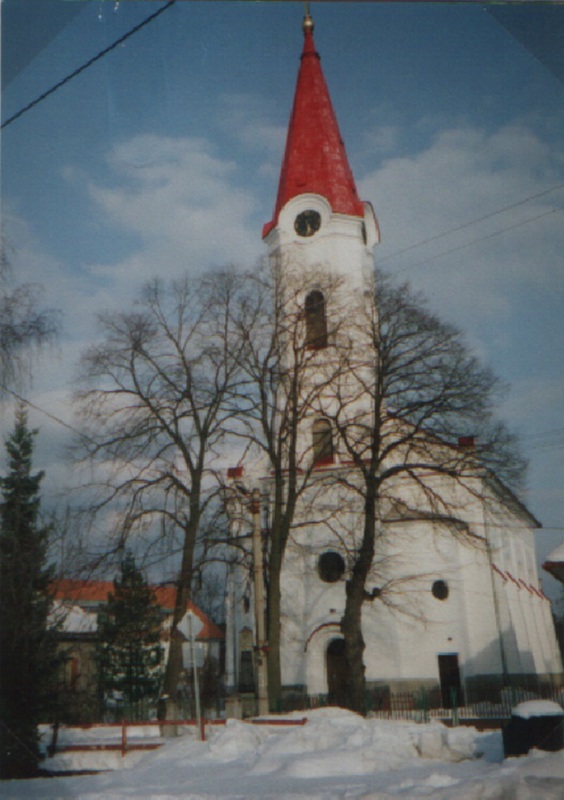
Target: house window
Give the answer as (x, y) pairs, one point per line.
(331, 566)
(72, 672)
(316, 320)
(322, 442)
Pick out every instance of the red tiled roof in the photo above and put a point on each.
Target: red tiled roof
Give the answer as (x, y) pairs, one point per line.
(85, 591)
(315, 160)
(556, 569)
(210, 629)
(98, 591)
(92, 591)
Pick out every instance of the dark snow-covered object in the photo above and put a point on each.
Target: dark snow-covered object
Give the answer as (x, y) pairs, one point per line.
(535, 723)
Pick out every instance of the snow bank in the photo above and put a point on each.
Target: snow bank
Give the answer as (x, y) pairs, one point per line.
(335, 756)
(346, 743)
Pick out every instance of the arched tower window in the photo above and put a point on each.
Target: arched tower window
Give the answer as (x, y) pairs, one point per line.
(316, 320)
(322, 442)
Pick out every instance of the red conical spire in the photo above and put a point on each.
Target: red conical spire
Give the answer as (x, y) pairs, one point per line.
(315, 160)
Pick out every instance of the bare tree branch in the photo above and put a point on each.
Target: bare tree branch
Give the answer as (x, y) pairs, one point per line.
(24, 327)
(155, 405)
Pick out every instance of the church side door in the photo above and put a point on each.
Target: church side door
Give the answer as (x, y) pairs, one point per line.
(336, 672)
(449, 674)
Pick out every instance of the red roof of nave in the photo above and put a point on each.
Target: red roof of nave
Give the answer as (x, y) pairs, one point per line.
(315, 160)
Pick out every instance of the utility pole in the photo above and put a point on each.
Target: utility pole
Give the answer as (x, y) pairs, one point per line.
(262, 675)
(201, 728)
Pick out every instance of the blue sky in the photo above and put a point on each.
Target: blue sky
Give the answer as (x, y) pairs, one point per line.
(164, 157)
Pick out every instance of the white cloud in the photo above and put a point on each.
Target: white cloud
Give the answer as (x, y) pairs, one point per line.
(183, 203)
(249, 121)
(381, 139)
(467, 174)
(187, 211)
(506, 290)
(185, 208)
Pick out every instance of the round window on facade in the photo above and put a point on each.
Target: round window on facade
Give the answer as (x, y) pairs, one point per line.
(440, 590)
(331, 566)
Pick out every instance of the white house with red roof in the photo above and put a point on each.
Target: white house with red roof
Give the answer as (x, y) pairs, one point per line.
(471, 611)
(76, 606)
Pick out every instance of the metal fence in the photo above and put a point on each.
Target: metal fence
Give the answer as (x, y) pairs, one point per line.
(426, 704)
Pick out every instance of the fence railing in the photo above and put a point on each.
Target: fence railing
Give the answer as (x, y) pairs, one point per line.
(423, 705)
(123, 737)
(127, 736)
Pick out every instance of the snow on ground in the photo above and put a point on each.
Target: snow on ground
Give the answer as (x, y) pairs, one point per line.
(336, 755)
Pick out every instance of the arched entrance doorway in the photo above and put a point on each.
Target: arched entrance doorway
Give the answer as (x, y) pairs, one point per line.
(336, 672)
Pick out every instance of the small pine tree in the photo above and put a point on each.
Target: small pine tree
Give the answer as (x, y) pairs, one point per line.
(129, 649)
(28, 660)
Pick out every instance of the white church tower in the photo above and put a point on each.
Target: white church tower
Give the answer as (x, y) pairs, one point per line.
(482, 618)
(321, 237)
(318, 218)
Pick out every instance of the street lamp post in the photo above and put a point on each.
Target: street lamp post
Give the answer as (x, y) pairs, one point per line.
(258, 579)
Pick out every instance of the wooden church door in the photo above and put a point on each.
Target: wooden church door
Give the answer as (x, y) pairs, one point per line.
(449, 674)
(336, 672)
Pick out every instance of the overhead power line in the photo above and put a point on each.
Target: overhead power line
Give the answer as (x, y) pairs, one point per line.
(89, 63)
(476, 221)
(545, 440)
(543, 434)
(48, 414)
(549, 444)
(481, 239)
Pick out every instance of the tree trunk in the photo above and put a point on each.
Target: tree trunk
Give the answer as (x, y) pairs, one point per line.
(279, 533)
(174, 664)
(273, 628)
(351, 623)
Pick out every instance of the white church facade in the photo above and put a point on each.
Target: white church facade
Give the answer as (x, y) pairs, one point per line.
(463, 606)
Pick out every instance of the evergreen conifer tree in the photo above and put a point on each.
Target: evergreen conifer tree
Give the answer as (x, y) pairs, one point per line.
(28, 660)
(129, 647)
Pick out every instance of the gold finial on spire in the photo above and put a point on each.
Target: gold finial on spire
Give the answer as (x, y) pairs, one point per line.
(307, 25)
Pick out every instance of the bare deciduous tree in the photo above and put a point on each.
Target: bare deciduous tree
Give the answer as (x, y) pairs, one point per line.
(24, 326)
(276, 351)
(256, 358)
(155, 409)
(399, 411)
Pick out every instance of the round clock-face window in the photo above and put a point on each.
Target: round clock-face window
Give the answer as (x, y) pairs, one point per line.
(307, 223)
